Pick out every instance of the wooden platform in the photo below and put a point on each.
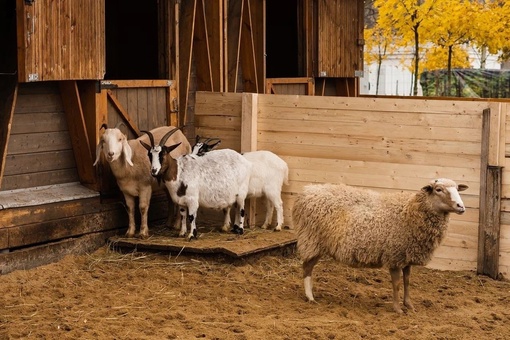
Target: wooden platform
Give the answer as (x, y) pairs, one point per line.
(210, 241)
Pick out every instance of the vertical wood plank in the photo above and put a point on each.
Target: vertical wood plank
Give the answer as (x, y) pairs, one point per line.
(490, 198)
(249, 139)
(235, 10)
(186, 33)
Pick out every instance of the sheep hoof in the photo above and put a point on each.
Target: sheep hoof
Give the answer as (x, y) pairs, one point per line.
(237, 230)
(264, 226)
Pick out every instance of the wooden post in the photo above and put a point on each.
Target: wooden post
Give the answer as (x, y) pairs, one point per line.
(490, 199)
(249, 139)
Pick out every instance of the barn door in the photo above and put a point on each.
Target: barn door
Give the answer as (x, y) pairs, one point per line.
(340, 38)
(60, 40)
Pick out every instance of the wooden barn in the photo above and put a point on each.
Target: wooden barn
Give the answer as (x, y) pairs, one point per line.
(280, 75)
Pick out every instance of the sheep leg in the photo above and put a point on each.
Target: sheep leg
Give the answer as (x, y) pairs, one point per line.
(395, 281)
(239, 227)
(182, 214)
(226, 220)
(307, 276)
(407, 300)
(192, 213)
(269, 214)
(143, 205)
(130, 203)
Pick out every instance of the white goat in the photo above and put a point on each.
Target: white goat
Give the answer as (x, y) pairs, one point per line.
(131, 168)
(268, 173)
(216, 180)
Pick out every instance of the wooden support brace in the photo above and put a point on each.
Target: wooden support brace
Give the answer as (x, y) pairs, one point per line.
(78, 132)
(118, 106)
(8, 95)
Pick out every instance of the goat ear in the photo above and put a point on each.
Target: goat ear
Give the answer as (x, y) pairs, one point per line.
(171, 148)
(428, 188)
(462, 187)
(99, 148)
(145, 145)
(128, 153)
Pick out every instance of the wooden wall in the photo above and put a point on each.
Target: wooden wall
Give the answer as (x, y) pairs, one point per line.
(39, 151)
(382, 144)
(60, 40)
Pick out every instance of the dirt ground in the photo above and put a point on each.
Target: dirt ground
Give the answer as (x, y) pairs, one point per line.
(108, 295)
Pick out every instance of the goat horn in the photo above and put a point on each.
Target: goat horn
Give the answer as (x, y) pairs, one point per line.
(165, 137)
(151, 136)
(119, 124)
(213, 139)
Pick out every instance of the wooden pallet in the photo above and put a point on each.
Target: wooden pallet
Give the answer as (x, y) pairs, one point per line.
(210, 241)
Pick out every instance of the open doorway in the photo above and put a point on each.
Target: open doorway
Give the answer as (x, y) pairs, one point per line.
(282, 39)
(131, 39)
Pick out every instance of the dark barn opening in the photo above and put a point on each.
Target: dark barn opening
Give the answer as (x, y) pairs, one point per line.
(131, 39)
(8, 37)
(282, 39)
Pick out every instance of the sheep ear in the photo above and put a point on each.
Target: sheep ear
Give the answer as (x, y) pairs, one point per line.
(145, 145)
(99, 148)
(428, 188)
(462, 187)
(128, 153)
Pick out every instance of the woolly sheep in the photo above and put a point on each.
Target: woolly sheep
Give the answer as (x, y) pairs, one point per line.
(216, 180)
(363, 228)
(131, 168)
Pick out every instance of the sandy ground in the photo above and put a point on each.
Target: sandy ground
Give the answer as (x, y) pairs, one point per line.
(108, 295)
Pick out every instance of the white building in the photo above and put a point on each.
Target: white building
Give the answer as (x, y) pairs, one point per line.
(397, 80)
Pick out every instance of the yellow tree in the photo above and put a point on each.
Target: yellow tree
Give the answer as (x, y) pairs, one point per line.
(406, 18)
(449, 27)
(379, 42)
(491, 28)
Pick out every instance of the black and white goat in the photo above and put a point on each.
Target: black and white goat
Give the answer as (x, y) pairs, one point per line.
(203, 145)
(131, 168)
(217, 180)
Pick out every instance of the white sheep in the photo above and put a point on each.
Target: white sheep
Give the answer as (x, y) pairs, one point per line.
(364, 228)
(268, 174)
(216, 180)
(131, 168)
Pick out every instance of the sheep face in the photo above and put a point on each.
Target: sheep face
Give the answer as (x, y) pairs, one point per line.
(113, 143)
(444, 196)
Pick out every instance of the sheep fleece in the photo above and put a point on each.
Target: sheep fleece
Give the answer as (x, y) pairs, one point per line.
(364, 228)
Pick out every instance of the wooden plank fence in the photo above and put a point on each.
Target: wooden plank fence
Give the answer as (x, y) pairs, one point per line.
(378, 143)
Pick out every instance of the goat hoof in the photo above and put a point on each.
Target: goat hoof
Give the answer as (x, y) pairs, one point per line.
(237, 230)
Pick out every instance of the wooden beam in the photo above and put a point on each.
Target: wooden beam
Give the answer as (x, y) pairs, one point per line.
(8, 95)
(490, 203)
(124, 114)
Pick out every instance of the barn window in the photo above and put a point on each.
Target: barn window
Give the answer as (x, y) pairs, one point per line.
(131, 39)
(282, 39)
